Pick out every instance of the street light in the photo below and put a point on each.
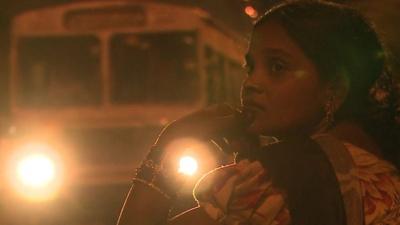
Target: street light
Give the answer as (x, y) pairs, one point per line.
(251, 12)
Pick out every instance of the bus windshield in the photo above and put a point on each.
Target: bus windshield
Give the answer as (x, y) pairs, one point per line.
(59, 71)
(154, 68)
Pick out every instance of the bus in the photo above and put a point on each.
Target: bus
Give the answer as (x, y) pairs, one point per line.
(97, 80)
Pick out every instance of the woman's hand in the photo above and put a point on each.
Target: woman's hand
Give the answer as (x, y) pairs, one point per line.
(211, 123)
(218, 123)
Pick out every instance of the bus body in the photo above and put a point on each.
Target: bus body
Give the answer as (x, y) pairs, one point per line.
(98, 80)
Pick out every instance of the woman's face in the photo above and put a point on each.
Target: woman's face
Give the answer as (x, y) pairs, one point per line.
(282, 94)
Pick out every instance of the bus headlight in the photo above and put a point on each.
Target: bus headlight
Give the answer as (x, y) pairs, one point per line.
(35, 172)
(189, 159)
(188, 165)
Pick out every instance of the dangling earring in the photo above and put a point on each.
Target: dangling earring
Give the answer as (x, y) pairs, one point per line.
(328, 120)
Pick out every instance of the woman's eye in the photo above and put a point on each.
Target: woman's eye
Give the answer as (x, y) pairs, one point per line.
(277, 66)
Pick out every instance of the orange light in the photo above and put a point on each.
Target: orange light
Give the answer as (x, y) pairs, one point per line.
(186, 160)
(35, 172)
(188, 165)
(250, 11)
(189, 157)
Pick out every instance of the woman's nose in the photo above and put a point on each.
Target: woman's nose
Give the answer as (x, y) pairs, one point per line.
(250, 87)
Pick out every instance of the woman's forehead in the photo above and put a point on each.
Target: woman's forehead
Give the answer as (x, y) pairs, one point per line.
(271, 38)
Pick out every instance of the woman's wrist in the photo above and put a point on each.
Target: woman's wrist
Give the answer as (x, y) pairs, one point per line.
(154, 174)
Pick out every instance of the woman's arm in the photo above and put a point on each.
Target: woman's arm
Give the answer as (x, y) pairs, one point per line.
(195, 216)
(144, 206)
(147, 202)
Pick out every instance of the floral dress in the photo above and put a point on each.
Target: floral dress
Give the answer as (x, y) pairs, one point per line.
(242, 193)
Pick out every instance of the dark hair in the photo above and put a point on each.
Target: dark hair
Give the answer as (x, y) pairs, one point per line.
(342, 43)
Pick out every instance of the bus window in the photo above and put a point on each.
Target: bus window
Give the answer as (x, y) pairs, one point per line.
(154, 68)
(58, 71)
(215, 76)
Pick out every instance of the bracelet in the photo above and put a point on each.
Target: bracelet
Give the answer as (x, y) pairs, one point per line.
(151, 167)
(152, 186)
(150, 173)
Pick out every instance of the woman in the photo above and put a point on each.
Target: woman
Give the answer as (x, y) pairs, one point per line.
(312, 69)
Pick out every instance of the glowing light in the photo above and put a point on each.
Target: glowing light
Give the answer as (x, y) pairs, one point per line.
(187, 159)
(188, 165)
(250, 11)
(36, 170)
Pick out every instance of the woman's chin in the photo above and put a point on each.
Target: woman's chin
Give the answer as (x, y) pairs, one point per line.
(257, 128)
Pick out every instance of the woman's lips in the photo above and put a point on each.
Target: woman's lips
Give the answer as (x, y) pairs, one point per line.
(252, 106)
(250, 110)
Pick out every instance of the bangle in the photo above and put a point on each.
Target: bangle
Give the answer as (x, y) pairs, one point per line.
(152, 186)
(151, 166)
(150, 173)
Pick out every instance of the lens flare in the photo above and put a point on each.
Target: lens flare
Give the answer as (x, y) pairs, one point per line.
(188, 165)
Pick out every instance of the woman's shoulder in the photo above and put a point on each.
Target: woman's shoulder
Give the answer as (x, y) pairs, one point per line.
(380, 186)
